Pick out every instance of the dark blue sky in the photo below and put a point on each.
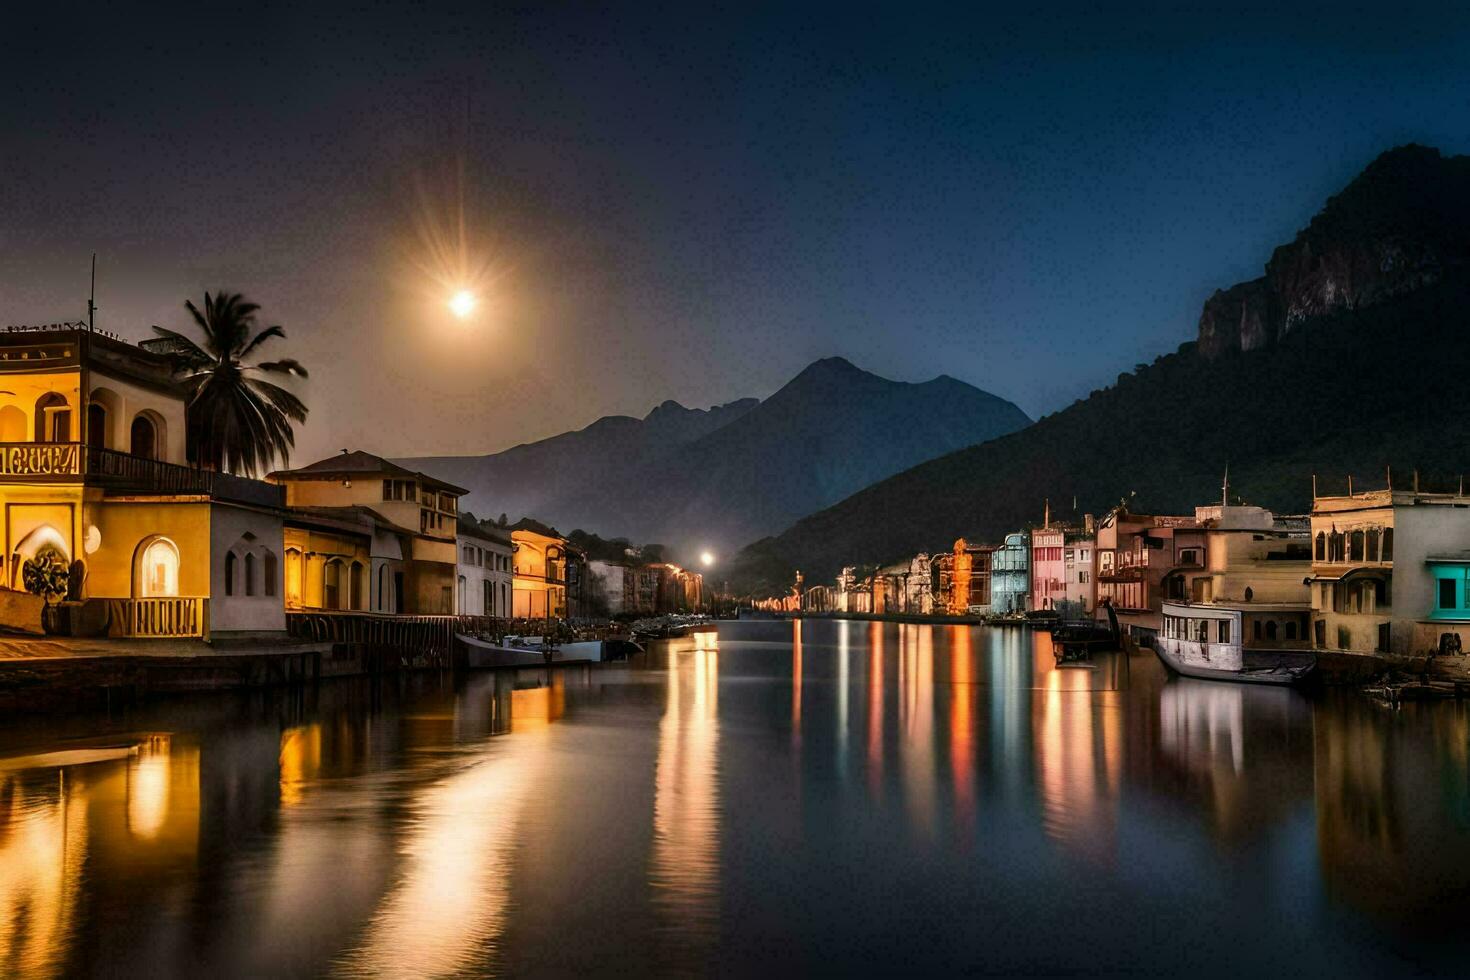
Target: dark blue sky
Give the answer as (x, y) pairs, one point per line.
(689, 204)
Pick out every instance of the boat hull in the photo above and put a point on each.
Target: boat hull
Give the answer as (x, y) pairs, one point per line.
(1278, 675)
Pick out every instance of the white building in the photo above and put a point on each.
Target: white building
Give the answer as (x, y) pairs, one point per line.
(484, 585)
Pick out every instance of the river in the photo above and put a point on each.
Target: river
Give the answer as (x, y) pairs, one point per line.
(779, 798)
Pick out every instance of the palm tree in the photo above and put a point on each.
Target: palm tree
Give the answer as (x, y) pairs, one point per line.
(237, 421)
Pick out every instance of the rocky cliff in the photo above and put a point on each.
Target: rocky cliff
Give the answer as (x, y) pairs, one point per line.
(1401, 225)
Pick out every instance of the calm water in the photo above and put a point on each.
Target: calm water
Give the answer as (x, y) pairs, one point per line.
(819, 797)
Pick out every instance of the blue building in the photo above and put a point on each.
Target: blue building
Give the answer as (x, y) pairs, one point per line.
(1010, 581)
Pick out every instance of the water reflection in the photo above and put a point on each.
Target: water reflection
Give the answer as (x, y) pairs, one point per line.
(795, 780)
(685, 864)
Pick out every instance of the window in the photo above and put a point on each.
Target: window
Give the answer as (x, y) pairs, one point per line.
(268, 568)
(1334, 547)
(355, 586)
(96, 426)
(1372, 554)
(1290, 630)
(383, 588)
(1271, 629)
(1224, 632)
(1387, 544)
(468, 555)
(332, 585)
(1256, 629)
(1321, 546)
(1344, 638)
(398, 490)
(462, 596)
(1355, 546)
(230, 573)
(249, 574)
(1447, 590)
(488, 588)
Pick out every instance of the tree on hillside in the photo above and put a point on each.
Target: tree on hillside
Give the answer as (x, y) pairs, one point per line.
(237, 421)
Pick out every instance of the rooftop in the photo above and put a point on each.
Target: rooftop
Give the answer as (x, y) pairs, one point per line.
(360, 463)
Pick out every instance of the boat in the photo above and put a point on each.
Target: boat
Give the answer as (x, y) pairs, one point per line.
(1206, 641)
(1076, 640)
(528, 651)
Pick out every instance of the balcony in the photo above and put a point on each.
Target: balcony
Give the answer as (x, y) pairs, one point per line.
(48, 462)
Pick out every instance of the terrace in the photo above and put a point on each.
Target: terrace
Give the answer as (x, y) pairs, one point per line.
(125, 473)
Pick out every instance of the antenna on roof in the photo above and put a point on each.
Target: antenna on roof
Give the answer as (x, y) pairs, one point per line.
(1389, 471)
(92, 297)
(1225, 488)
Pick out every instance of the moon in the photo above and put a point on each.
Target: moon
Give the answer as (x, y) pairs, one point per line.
(463, 303)
(706, 558)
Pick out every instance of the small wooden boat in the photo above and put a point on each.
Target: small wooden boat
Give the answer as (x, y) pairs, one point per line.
(1204, 641)
(518, 651)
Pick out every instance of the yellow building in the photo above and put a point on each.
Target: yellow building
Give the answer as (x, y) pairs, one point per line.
(93, 475)
(366, 534)
(539, 583)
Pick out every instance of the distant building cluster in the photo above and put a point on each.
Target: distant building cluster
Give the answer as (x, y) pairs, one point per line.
(1378, 571)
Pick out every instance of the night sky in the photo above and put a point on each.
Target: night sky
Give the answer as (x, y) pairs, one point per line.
(673, 203)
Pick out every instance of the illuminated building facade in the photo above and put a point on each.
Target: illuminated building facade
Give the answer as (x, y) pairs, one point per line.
(94, 482)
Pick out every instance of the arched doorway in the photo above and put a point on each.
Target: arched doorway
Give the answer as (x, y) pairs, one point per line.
(156, 572)
(96, 426)
(41, 539)
(143, 438)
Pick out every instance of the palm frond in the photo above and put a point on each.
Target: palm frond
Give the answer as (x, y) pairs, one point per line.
(286, 365)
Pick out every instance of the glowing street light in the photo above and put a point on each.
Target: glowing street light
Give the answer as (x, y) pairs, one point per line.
(463, 303)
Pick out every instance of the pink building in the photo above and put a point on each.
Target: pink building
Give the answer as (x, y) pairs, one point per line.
(1048, 567)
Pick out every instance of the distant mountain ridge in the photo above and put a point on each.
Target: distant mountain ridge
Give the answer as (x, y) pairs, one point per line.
(1342, 359)
(715, 479)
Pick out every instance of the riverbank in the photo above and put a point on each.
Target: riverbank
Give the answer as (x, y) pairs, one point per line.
(64, 674)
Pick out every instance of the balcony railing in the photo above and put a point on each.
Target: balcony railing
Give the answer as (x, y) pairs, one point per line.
(161, 616)
(124, 472)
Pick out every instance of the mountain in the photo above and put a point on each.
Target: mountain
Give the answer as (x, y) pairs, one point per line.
(528, 479)
(697, 480)
(1344, 358)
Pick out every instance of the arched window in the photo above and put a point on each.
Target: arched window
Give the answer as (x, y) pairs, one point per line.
(1321, 546)
(1355, 546)
(249, 574)
(1387, 544)
(143, 438)
(53, 418)
(1334, 547)
(268, 571)
(1256, 629)
(1271, 629)
(229, 573)
(157, 573)
(355, 591)
(1372, 553)
(1250, 593)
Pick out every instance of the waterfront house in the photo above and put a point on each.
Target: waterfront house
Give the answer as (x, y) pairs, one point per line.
(1250, 591)
(918, 595)
(94, 479)
(1048, 566)
(854, 593)
(484, 585)
(890, 588)
(410, 518)
(1010, 574)
(539, 564)
(1389, 571)
(1079, 582)
(961, 579)
(1141, 559)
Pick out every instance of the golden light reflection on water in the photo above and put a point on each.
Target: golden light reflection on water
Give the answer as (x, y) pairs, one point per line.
(43, 844)
(1077, 733)
(449, 906)
(961, 724)
(875, 710)
(684, 867)
(300, 760)
(916, 723)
